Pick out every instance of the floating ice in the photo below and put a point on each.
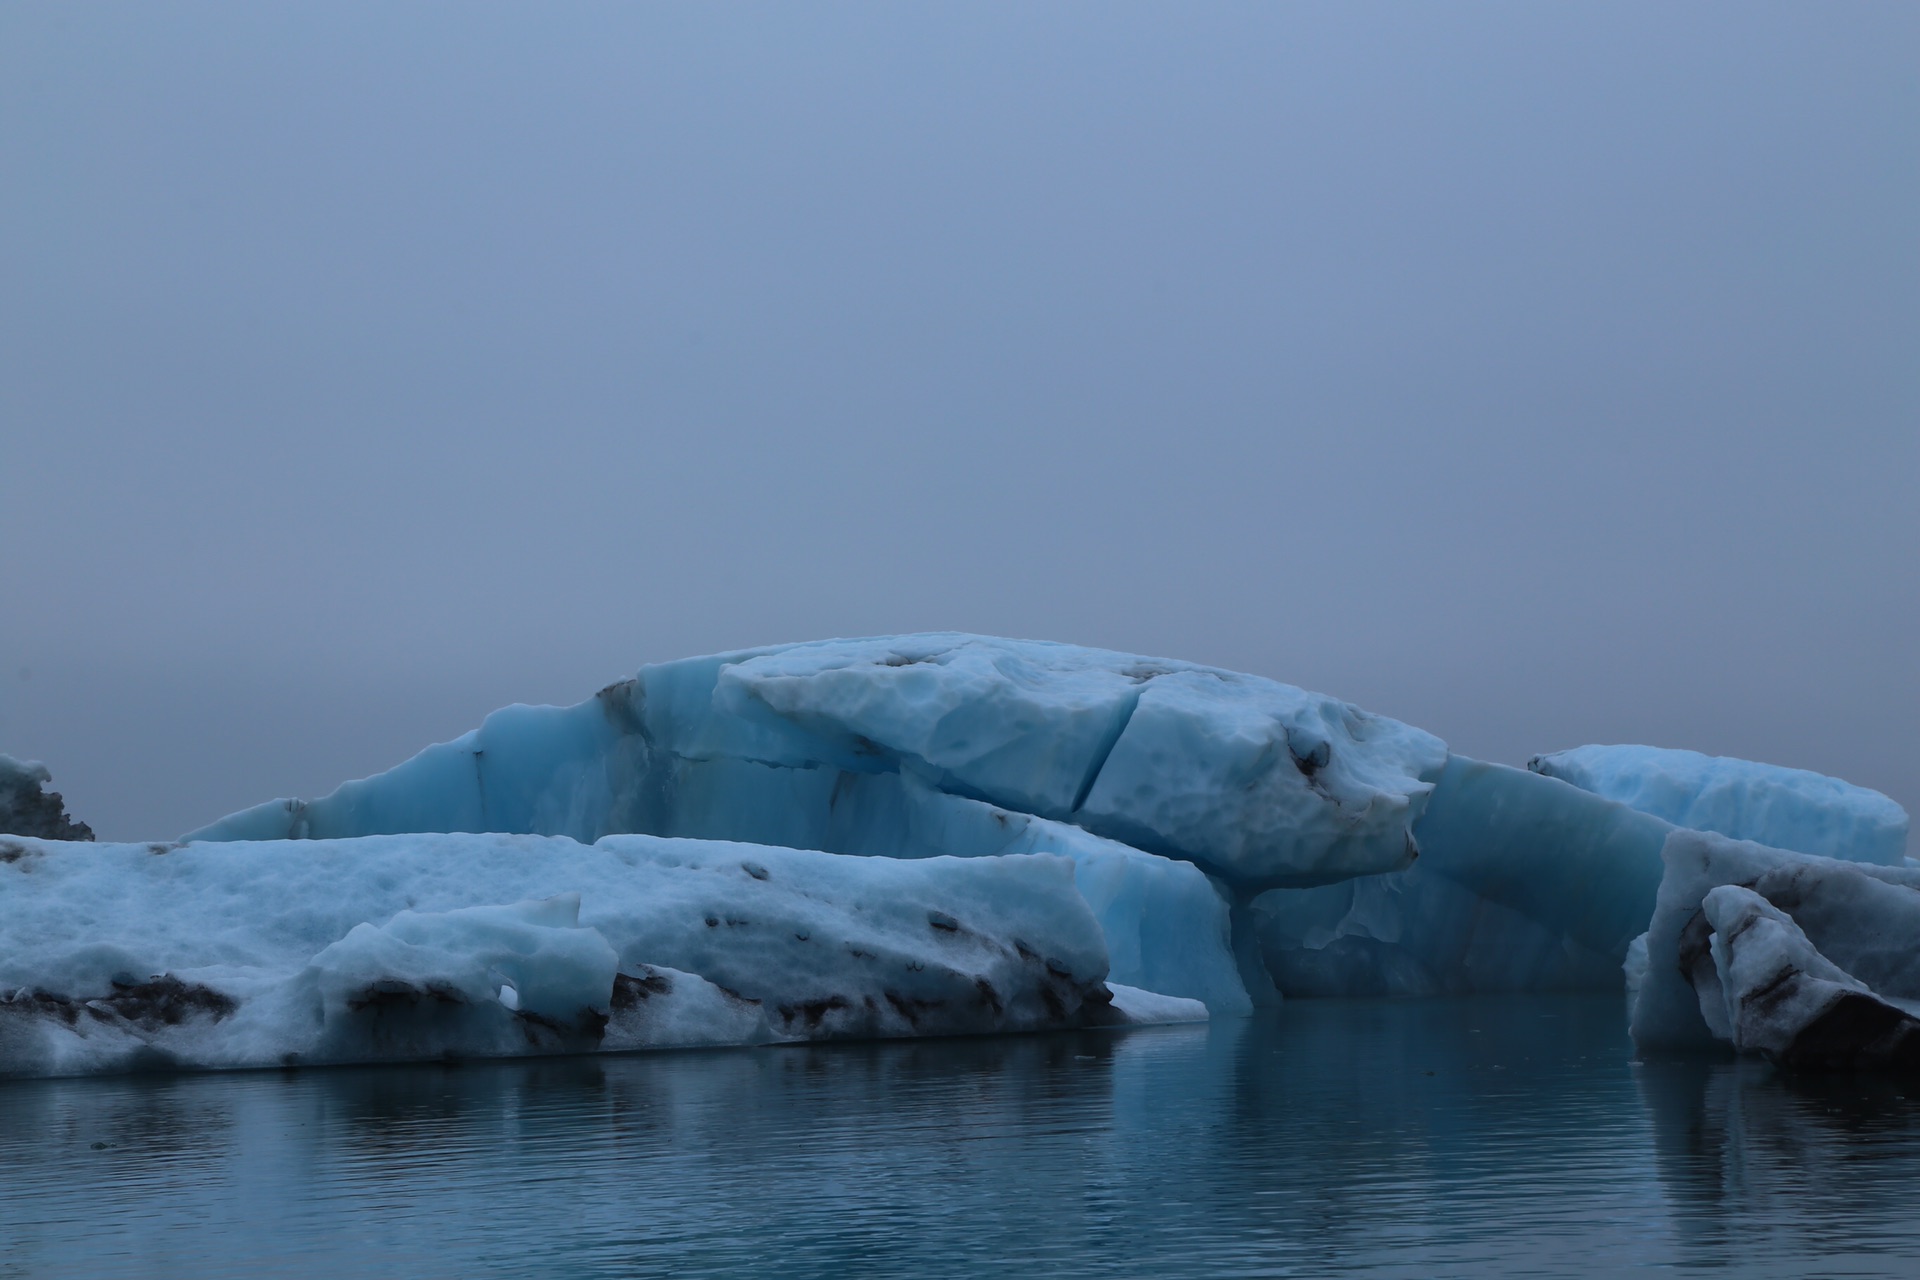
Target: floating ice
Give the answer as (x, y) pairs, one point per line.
(1783, 808)
(253, 954)
(1217, 840)
(1783, 999)
(917, 746)
(1708, 975)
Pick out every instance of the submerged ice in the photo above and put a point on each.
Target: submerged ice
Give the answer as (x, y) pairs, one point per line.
(926, 834)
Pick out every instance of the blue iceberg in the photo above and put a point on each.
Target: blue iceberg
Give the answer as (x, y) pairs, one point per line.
(926, 834)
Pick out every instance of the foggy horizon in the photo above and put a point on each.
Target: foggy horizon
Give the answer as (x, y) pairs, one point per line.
(1534, 376)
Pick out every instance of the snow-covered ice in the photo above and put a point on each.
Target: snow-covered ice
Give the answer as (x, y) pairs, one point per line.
(252, 954)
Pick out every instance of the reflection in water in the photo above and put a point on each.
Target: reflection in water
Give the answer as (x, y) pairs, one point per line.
(1421, 1138)
(1754, 1163)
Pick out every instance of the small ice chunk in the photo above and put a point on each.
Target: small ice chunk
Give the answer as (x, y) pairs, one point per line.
(1147, 1008)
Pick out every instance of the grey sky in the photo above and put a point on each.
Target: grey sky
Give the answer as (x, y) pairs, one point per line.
(1538, 374)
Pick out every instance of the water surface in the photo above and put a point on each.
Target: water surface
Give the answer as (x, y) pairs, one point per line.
(1419, 1138)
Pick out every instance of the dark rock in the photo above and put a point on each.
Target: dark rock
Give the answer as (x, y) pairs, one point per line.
(27, 808)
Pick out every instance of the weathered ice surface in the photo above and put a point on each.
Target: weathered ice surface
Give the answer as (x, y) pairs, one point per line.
(1523, 884)
(1151, 775)
(1782, 998)
(251, 954)
(1783, 808)
(1254, 781)
(1707, 976)
(27, 808)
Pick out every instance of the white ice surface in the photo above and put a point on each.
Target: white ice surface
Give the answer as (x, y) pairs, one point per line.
(400, 946)
(1779, 996)
(1262, 783)
(1771, 805)
(1151, 1008)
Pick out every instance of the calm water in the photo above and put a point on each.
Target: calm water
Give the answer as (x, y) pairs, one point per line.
(1390, 1139)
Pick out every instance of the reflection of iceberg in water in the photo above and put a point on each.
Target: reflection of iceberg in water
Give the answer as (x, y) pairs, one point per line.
(1759, 1164)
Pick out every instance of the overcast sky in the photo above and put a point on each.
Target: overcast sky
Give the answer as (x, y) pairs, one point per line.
(1538, 374)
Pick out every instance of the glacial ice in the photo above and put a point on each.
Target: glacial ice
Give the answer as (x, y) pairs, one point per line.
(1780, 807)
(1149, 774)
(864, 837)
(1254, 781)
(1773, 979)
(1523, 884)
(383, 948)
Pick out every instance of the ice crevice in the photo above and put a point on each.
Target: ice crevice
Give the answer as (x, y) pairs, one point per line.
(1104, 750)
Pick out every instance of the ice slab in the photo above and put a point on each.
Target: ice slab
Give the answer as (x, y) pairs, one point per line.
(1859, 917)
(1524, 883)
(1775, 806)
(1150, 1008)
(260, 953)
(1263, 784)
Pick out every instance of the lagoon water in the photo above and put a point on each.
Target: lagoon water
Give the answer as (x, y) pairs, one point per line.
(1421, 1138)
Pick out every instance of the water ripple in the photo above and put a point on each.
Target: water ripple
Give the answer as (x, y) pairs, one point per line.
(1484, 1138)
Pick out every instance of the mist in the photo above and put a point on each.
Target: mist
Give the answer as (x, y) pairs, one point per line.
(1538, 375)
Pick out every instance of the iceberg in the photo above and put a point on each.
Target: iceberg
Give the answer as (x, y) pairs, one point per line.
(1256, 782)
(1179, 791)
(247, 954)
(1780, 807)
(1809, 960)
(944, 834)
